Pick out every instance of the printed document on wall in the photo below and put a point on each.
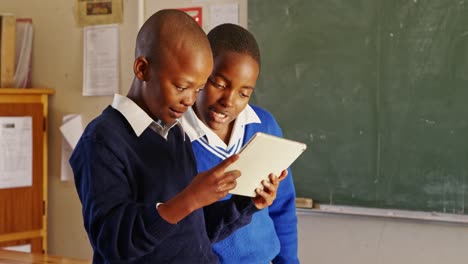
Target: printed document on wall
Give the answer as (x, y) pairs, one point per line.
(101, 60)
(16, 152)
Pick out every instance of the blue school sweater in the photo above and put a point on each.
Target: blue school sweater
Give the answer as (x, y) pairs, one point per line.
(272, 234)
(120, 177)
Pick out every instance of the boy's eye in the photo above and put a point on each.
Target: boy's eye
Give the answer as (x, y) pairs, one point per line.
(216, 84)
(180, 88)
(220, 86)
(245, 93)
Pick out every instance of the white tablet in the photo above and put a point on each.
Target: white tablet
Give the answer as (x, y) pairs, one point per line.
(262, 155)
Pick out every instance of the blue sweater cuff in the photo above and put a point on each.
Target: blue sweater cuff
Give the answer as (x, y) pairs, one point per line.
(157, 225)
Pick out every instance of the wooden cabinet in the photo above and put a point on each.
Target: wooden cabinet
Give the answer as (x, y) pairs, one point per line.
(23, 210)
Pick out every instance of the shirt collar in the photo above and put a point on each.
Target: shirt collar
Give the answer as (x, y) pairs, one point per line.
(196, 129)
(139, 120)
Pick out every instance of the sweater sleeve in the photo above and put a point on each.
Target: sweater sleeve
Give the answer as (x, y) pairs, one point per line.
(283, 209)
(224, 217)
(283, 213)
(118, 227)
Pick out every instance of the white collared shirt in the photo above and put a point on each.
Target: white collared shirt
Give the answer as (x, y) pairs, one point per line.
(139, 119)
(197, 130)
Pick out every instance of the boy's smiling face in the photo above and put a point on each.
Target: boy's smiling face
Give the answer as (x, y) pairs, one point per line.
(227, 91)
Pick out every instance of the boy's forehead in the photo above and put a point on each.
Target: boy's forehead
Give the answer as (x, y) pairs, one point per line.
(186, 48)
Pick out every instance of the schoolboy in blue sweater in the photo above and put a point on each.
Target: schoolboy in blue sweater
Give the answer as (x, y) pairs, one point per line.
(134, 167)
(219, 124)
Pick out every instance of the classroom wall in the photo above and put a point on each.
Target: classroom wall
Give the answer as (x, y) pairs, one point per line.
(331, 239)
(323, 238)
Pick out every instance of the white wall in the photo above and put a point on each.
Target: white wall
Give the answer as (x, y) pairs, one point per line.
(329, 239)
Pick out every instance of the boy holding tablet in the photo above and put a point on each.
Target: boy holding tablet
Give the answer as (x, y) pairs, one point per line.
(219, 124)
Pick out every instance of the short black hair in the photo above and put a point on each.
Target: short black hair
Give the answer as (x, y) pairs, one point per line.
(161, 29)
(231, 37)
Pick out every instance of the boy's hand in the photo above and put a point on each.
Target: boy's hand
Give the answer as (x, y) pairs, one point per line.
(266, 196)
(206, 188)
(210, 186)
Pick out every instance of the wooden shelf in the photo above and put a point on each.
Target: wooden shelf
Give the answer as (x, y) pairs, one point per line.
(25, 208)
(47, 91)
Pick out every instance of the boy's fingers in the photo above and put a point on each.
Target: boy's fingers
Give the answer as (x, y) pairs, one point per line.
(283, 175)
(232, 175)
(274, 179)
(225, 163)
(260, 192)
(265, 196)
(269, 186)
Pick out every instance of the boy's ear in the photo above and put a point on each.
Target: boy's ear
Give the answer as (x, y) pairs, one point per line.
(140, 68)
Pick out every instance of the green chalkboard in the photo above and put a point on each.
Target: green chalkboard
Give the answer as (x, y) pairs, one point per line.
(378, 90)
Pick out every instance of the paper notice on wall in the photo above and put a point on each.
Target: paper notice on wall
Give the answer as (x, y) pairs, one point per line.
(23, 55)
(71, 128)
(16, 152)
(224, 13)
(101, 60)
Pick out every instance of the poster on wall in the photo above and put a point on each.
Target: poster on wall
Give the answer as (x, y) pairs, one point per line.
(98, 12)
(195, 13)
